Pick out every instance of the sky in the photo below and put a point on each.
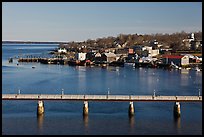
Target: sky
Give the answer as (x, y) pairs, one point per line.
(80, 21)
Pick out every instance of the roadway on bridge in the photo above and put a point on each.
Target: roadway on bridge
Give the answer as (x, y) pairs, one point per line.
(100, 97)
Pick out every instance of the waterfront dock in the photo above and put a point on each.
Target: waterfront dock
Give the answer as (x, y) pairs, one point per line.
(44, 60)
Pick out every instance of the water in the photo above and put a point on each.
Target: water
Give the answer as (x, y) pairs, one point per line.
(105, 118)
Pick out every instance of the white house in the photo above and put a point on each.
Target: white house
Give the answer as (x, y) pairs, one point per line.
(151, 52)
(81, 56)
(154, 52)
(97, 55)
(62, 50)
(108, 57)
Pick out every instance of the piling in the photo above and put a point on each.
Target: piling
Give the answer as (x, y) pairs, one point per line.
(40, 108)
(177, 109)
(85, 108)
(131, 109)
(10, 60)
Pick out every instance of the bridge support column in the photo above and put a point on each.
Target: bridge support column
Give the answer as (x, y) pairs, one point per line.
(131, 109)
(85, 108)
(40, 108)
(177, 109)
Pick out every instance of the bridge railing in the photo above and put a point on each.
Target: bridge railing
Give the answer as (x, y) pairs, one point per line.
(100, 97)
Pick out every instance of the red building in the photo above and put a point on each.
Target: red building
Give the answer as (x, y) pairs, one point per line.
(130, 51)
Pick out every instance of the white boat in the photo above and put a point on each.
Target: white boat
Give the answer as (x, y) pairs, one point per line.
(197, 69)
(174, 65)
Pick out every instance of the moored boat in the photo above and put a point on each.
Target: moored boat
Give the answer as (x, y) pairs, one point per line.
(76, 62)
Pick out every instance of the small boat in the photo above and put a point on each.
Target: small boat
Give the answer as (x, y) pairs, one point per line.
(197, 69)
(10, 60)
(77, 62)
(33, 67)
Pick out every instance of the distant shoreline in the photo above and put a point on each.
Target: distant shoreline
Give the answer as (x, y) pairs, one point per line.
(31, 42)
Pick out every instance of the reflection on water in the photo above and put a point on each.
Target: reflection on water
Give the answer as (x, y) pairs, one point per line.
(86, 120)
(177, 122)
(184, 77)
(51, 79)
(40, 119)
(86, 124)
(184, 71)
(132, 122)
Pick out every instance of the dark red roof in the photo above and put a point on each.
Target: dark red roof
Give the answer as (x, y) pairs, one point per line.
(172, 56)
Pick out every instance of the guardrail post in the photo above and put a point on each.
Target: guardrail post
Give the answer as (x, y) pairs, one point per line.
(40, 108)
(85, 108)
(177, 109)
(131, 109)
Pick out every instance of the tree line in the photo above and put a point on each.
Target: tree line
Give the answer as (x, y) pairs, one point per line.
(173, 40)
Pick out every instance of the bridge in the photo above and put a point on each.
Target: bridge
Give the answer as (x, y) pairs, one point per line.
(70, 97)
(116, 98)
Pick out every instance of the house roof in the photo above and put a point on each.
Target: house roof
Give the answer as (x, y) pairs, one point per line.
(98, 55)
(172, 56)
(110, 55)
(189, 55)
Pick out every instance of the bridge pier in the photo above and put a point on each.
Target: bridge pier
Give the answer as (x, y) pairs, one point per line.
(131, 109)
(85, 108)
(177, 109)
(40, 108)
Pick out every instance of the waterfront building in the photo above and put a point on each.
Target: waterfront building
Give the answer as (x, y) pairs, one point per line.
(110, 50)
(130, 51)
(148, 51)
(176, 59)
(81, 56)
(165, 50)
(154, 52)
(97, 57)
(192, 43)
(108, 57)
(62, 50)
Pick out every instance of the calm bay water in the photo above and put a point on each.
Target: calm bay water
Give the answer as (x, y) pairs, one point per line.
(65, 117)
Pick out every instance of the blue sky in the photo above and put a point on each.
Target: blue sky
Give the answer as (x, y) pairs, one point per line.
(79, 21)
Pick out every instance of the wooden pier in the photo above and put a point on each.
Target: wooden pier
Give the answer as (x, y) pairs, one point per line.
(44, 60)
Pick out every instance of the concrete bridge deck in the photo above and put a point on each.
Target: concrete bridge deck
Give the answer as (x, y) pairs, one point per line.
(120, 98)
